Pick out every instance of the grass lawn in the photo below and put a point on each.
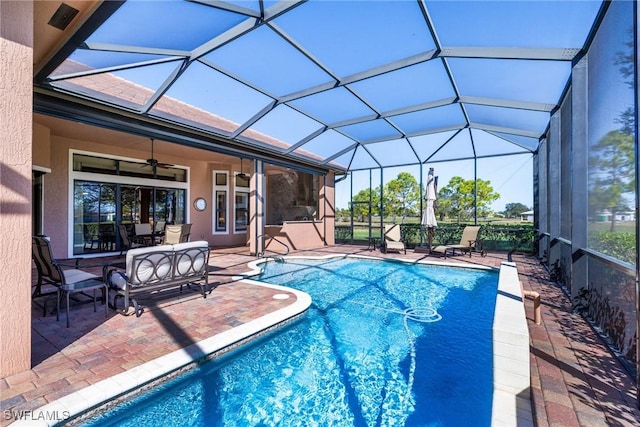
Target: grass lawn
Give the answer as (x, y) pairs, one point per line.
(626, 227)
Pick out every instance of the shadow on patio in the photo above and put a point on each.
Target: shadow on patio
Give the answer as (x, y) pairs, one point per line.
(575, 380)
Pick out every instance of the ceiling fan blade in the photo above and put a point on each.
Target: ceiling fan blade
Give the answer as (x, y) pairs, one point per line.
(154, 162)
(242, 175)
(150, 162)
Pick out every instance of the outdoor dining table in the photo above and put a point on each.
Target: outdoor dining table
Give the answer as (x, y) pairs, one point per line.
(149, 239)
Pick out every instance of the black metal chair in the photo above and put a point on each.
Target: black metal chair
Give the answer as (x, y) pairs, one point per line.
(107, 236)
(125, 240)
(90, 238)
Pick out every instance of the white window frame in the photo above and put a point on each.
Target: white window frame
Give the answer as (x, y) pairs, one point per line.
(112, 179)
(236, 191)
(214, 202)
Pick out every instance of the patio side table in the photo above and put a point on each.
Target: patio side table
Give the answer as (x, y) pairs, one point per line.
(85, 285)
(374, 243)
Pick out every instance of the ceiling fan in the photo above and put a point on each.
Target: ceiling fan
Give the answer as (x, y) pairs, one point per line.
(154, 162)
(242, 175)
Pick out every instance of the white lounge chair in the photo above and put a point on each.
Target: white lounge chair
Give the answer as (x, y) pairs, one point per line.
(393, 239)
(467, 243)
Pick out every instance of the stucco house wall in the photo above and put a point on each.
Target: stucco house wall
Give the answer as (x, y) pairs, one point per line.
(27, 144)
(56, 187)
(16, 104)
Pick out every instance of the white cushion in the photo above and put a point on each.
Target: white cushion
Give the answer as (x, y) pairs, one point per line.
(155, 263)
(139, 251)
(187, 245)
(75, 276)
(152, 268)
(395, 245)
(191, 257)
(118, 279)
(146, 260)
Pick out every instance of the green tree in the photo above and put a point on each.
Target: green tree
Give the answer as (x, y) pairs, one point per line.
(513, 210)
(611, 169)
(402, 196)
(361, 207)
(456, 199)
(612, 158)
(624, 59)
(343, 215)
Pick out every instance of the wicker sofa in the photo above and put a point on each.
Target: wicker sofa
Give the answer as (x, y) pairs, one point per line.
(156, 268)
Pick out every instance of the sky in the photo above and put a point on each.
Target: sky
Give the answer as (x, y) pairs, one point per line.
(510, 176)
(310, 77)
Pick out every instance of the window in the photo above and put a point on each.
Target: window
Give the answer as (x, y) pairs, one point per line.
(94, 215)
(221, 200)
(108, 192)
(292, 196)
(37, 184)
(99, 208)
(139, 169)
(241, 191)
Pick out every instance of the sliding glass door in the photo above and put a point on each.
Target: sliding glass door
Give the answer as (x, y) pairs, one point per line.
(99, 208)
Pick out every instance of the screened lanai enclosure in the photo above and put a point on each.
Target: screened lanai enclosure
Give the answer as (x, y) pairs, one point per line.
(362, 91)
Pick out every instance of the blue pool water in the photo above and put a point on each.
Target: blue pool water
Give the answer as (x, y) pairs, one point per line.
(383, 343)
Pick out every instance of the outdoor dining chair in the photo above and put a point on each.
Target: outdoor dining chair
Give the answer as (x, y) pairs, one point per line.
(125, 241)
(178, 233)
(90, 237)
(172, 234)
(143, 234)
(186, 233)
(51, 272)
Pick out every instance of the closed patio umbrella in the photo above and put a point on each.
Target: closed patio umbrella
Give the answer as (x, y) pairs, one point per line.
(429, 215)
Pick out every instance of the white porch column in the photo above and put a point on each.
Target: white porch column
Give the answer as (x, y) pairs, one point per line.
(257, 209)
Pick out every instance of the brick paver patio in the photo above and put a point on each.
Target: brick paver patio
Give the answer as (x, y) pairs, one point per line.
(575, 380)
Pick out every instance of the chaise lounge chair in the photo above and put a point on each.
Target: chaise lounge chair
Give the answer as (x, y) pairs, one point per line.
(393, 239)
(467, 243)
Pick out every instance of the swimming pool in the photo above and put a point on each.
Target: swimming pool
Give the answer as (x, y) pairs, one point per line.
(383, 343)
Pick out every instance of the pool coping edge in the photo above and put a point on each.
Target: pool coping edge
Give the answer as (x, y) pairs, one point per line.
(511, 364)
(511, 356)
(81, 401)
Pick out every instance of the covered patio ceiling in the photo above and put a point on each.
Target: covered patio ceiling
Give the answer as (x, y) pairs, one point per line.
(331, 85)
